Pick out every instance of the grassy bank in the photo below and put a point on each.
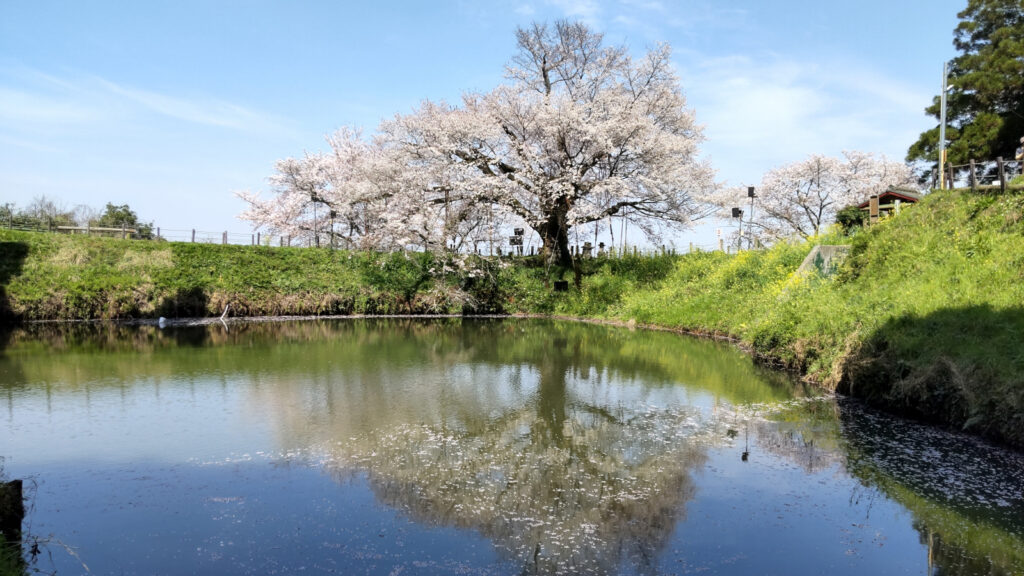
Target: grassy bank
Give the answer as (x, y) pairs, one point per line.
(926, 316)
(47, 276)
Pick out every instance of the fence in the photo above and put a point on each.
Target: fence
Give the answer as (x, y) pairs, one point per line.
(192, 235)
(213, 237)
(979, 173)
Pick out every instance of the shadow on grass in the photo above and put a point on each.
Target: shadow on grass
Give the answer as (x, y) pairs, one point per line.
(959, 366)
(12, 260)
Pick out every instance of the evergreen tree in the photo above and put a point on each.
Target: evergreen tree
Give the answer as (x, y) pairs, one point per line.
(118, 216)
(985, 109)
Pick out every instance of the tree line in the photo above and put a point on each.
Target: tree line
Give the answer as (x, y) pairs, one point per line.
(985, 106)
(44, 213)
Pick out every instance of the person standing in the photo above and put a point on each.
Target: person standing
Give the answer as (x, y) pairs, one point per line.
(1019, 156)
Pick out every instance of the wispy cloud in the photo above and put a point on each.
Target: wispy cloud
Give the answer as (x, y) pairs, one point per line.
(764, 111)
(525, 10)
(26, 106)
(652, 5)
(28, 145)
(206, 111)
(588, 11)
(34, 99)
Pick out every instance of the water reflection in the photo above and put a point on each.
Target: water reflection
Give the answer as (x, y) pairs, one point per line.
(572, 448)
(967, 496)
(540, 436)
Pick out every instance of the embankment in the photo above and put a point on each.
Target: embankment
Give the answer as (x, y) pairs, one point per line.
(925, 317)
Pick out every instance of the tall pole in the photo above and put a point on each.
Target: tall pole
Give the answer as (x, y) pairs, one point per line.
(942, 127)
(750, 220)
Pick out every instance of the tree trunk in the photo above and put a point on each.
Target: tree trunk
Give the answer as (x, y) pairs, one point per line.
(555, 235)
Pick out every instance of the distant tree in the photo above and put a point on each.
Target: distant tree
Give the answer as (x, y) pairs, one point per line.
(802, 198)
(84, 214)
(6, 214)
(114, 216)
(985, 110)
(45, 212)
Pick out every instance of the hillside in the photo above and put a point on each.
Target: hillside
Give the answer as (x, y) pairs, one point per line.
(926, 316)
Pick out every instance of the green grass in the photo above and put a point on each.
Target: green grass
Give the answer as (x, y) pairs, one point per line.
(47, 276)
(925, 316)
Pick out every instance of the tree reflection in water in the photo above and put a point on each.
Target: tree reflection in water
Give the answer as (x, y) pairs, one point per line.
(544, 443)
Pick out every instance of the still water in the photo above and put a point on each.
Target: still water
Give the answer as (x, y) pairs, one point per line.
(475, 446)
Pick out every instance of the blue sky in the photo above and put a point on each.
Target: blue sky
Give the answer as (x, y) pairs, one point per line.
(170, 106)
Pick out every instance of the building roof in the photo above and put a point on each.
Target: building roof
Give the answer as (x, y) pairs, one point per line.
(893, 193)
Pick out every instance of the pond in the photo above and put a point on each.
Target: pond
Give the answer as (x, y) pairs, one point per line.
(475, 446)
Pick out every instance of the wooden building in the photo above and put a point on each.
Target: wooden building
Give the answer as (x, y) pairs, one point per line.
(889, 201)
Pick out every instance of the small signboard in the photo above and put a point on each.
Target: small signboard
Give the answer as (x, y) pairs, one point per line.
(515, 240)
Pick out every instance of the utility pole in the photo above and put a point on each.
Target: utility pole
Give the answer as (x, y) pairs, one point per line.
(750, 220)
(738, 213)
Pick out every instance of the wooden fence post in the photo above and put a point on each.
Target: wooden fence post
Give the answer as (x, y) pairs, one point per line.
(224, 238)
(721, 245)
(193, 235)
(950, 180)
(123, 233)
(1002, 174)
(974, 178)
(257, 238)
(157, 232)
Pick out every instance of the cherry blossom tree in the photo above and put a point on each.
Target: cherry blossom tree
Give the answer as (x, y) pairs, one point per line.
(802, 198)
(301, 187)
(580, 132)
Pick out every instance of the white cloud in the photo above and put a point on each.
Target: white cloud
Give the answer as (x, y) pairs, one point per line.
(585, 10)
(525, 10)
(761, 112)
(652, 5)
